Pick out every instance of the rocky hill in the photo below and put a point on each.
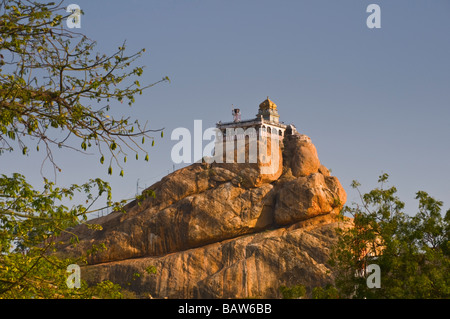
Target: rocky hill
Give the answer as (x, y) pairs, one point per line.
(222, 230)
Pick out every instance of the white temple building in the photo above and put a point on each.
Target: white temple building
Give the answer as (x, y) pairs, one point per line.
(266, 123)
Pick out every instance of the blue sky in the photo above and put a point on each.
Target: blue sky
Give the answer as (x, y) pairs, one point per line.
(372, 100)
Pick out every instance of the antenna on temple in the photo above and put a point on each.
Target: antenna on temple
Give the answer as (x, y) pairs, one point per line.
(236, 114)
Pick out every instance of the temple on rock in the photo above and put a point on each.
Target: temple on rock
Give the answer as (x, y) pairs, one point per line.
(266, 123)
(258, 140)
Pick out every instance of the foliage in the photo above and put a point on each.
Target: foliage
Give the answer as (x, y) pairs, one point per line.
(49, 77)
(328, 292)
(55, 93)
(151, 270)
(412, 251)
(29, 221)
(294, 292)
(46, 277)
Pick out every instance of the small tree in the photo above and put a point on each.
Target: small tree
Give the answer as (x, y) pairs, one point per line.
(55, 92)
(412, 252)
(295, 292)
(328, 292)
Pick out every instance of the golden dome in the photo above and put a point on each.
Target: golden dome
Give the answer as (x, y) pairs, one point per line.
(267, 104)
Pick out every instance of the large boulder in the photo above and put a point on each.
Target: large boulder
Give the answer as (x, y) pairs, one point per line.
(250, 266)
(308, 196)
(300, 155)
(222, 230)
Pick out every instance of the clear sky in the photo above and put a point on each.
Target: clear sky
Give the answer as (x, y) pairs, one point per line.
(372, 100)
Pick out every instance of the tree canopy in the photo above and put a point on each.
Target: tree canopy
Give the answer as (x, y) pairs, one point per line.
(55, 93)
(413, 252)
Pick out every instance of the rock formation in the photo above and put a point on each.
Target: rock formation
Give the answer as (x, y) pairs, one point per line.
(222, 230)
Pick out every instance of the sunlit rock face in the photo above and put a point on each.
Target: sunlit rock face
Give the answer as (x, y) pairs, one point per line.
(223, 230)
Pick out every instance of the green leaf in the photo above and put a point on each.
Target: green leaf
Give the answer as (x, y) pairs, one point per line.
(151, 270)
